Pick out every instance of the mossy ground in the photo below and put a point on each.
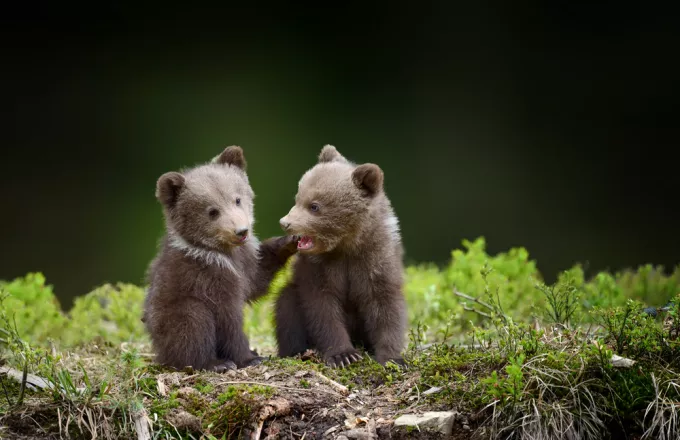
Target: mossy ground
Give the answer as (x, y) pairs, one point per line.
(518, 360)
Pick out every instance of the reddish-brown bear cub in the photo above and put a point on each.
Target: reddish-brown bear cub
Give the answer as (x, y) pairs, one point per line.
(347, 282)
(208, 266)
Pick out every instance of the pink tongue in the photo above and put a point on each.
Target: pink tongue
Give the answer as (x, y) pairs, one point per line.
(305, 243)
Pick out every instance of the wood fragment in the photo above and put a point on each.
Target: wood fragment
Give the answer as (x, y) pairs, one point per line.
(142, 423)
(162, 389)
(258, 430)
(372, 434)
(33, 382)
(343, 389)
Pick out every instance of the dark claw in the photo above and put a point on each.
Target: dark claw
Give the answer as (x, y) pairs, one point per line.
(343, 360)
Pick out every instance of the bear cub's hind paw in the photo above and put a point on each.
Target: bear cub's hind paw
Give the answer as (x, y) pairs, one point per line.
(224, 367)
(257, 360)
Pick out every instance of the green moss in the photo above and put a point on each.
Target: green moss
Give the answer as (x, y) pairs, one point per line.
(203, 386)
(162, 405)
(231, 410)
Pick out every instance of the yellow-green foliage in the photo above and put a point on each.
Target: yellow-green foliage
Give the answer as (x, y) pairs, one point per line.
(426, 295)
(110, 312)
(33, 306)
(649, 284)
(509, 277)
(113, 312)
(512, 276)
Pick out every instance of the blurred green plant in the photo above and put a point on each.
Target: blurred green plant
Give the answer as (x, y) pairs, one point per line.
(33, 307)
(112, 313)
(529, 363)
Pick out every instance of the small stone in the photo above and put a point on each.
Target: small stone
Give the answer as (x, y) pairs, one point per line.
(432, 391)
(441, 421)
(622, 362)
(466, 427)
(341, 437)
(181, 419)
(358, 434)
(301, 373)
(330, 430)
(185, 392)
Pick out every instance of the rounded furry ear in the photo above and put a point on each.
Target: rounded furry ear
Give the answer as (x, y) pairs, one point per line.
(329, 154)
(368, 178)
(168, 188)
(232, 156)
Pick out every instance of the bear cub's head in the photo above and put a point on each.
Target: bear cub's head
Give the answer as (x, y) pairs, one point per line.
(335, 200)
(209, 206)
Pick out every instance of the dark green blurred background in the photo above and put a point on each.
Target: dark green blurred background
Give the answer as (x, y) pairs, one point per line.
(541, 125)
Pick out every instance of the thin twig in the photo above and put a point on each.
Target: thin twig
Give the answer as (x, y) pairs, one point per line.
(22, 389)
(479, 312)
(9, 402)
(276, 386)
(343, 389)
(470, 298)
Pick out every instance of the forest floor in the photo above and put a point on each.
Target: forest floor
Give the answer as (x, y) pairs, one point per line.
(492, 353)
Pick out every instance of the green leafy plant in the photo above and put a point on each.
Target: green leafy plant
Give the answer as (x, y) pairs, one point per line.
(32, 306)
(110, 312)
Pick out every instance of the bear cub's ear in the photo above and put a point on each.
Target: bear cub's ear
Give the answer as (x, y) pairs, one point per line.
(368, 178)
(232, 156)
(329, 154)
(168, 187)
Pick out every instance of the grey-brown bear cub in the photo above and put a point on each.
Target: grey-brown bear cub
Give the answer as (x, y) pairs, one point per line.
(346, 288)
(209, 265)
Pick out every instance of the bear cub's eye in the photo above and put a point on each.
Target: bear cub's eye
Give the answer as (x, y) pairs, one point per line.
(314, 207)
(213, 213)
(238, 201)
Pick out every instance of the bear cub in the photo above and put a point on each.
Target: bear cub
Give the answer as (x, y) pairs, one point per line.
(208, 266)
(346, 288)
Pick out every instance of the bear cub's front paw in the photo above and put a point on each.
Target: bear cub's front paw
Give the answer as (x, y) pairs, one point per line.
(290, 243)
(343, 359)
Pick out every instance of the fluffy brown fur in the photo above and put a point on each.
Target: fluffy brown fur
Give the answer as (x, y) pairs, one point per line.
(208, 266)
(347, 283)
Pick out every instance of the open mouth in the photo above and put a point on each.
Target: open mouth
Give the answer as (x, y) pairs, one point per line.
(237, 241)
(305, 243)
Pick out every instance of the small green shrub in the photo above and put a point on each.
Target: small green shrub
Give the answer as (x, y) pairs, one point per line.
(510, 276)
(112, 313)
(32, 305)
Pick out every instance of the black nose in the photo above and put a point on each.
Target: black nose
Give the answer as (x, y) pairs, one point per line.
(242, 232)
(284, 225)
